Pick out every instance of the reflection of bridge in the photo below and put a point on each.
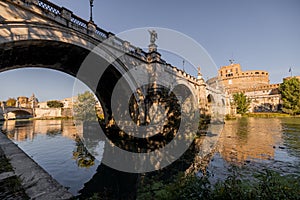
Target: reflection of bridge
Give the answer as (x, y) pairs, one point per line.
(17, 112)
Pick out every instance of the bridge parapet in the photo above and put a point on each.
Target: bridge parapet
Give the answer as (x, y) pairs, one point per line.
(68, 19)
(34, 20)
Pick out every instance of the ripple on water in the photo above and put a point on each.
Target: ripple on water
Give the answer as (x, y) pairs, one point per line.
(53, 151)
(256, 144)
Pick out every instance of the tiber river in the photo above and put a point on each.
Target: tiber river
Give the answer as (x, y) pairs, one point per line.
(256, 143)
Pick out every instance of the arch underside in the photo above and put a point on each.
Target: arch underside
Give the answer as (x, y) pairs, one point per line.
(19, 114)
(63, 57)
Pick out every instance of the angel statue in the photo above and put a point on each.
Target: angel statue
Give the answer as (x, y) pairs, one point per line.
(153, 36)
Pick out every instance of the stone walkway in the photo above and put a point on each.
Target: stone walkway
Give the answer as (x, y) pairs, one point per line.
(35, 182)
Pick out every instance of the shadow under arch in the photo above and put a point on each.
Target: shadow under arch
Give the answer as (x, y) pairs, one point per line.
(20, 114)
(63, 57)
(210, 103)
(68, 58)
(210, 99)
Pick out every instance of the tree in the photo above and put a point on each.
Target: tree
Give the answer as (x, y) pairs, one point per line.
(11, 102)
(82, 155)
(55, 104)
(84, 107)
(241, 102)
(290, 95)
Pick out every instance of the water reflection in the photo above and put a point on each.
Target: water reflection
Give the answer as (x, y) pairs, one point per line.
(22, 130)
(257, 143)
(249, 139)
(56, 147)
(291, 135)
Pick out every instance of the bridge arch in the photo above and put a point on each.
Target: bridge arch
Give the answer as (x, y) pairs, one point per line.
(67, 58)
(210, 99)
(19, 114)
(44, 40)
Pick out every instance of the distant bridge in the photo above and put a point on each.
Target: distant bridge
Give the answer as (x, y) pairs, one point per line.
(17, 112)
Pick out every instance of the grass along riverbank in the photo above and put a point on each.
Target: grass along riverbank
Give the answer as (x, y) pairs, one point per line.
(10, 184)
(261, 115)
(269, 115)
(265, 185)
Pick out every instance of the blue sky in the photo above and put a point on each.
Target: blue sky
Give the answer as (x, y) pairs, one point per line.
(258, 34)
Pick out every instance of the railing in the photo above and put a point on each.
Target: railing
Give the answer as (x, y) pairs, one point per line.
(102, 33)
(46, 5)
(83, 24)
(79, 22)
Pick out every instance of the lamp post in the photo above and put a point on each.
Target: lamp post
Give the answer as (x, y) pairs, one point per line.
(91, 10)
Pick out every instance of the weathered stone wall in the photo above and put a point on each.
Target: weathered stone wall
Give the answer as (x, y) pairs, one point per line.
(53, 112)
(48, 112)
(233, 78)
(67, 112)
(264, 100)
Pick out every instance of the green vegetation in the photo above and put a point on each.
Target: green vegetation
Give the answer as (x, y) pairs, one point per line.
(55, 104)
(241, 102)
(266, 115)
(230, 117)
(5, 165)
(290, 94)
(11, 102)
(82, 156)
(84, 107)
(10, 188)
(265, 185)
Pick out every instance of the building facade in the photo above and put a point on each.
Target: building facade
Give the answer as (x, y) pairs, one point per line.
(255, 84)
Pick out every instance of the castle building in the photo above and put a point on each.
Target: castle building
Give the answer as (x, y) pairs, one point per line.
(255, 84)
(234, 79)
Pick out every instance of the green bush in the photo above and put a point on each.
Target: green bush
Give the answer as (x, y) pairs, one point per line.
(11, 102)
(265, 185)
(55, 104)
(290, 95)
(242, 103)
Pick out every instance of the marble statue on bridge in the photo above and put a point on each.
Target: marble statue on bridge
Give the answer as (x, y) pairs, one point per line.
(153, 37)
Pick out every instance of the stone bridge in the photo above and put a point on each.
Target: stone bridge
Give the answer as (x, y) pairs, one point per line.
(38, 33)
(17, 112)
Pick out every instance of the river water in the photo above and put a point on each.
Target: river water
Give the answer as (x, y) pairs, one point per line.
(255, 144)
(251, 143)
